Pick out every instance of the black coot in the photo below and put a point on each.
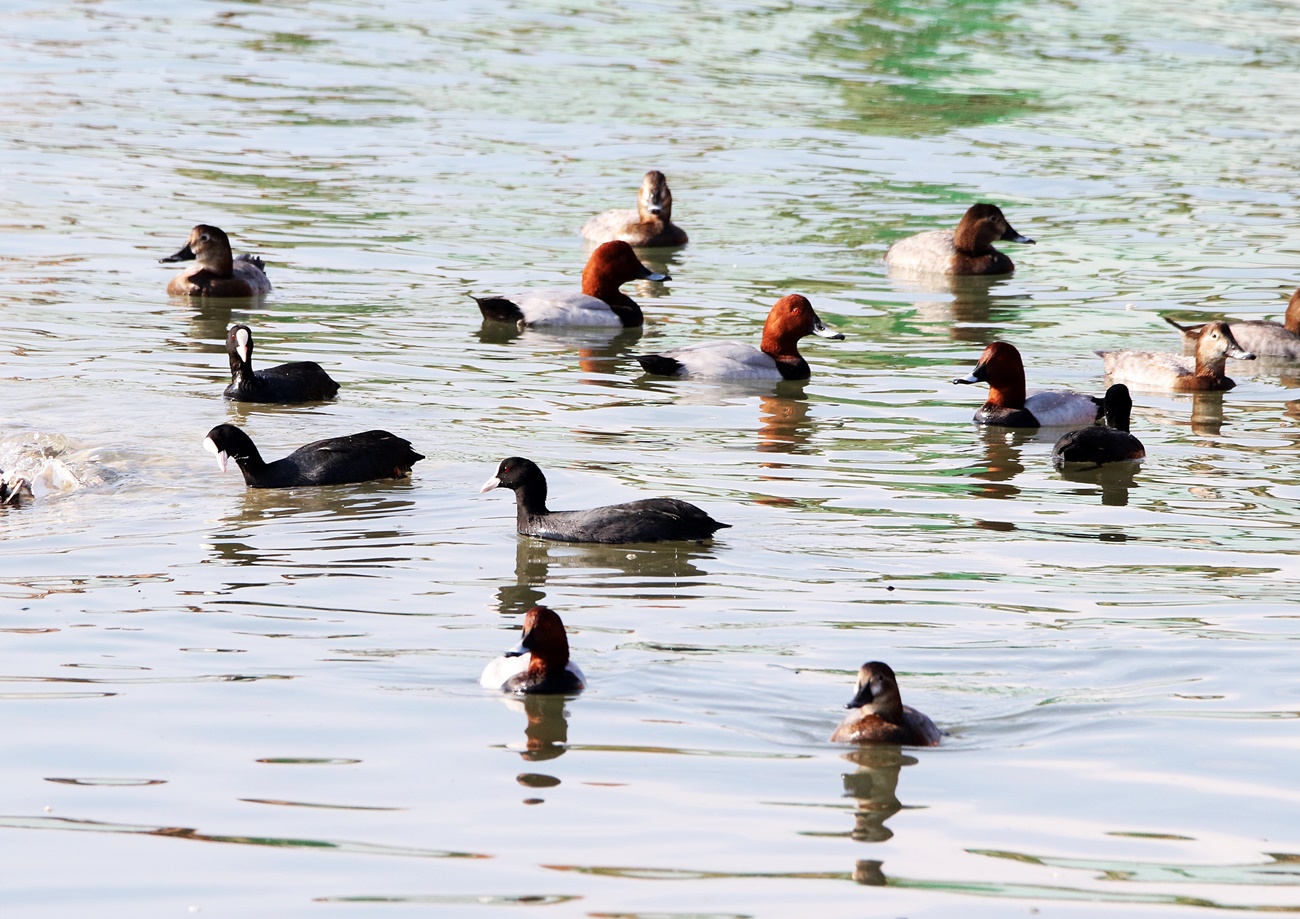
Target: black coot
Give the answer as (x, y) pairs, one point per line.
(651, 520)
(360, 457)
(1096, 444)
(300, 381)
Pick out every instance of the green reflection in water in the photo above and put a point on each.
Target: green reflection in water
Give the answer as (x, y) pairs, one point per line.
(912, 67)
(181, 832)
(1283, 869)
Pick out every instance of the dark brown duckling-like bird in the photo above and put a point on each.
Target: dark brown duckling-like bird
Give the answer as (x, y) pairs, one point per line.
(217, 272)
(879, 715)
(363, 457)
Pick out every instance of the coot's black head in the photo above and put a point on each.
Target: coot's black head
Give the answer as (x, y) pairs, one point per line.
(239, 343)
(1119, 406)
(227, 442)
(515, 473)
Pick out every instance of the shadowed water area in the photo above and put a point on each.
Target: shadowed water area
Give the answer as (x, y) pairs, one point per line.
(290, 677)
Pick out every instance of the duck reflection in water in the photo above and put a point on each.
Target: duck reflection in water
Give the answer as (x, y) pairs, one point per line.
(1001, 460)
(547, 733)
(314, 516)
(1207, 413)
(645, 572)
(874, 789)
(783, 422)
(967, 314)
(599, 350)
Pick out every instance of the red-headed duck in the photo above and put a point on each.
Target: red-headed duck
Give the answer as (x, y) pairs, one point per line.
(363, 457)
(651, 224)
(1001, 367)
(540, 663)
(879, 715)
(965, 250)
(1259, 337)
(600, 303)
(1096, 444)
(216, 273)
(777, 358)
(300, 381)
(1176, 373)
(650, 520)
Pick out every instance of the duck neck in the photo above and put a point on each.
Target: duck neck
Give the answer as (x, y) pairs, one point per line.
(1292, 319)
(972, 238)
(623, 306)
(785, 351)
(1007, 395)
(1211, 366)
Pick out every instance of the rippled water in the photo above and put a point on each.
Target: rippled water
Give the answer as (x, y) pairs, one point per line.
(293, 673)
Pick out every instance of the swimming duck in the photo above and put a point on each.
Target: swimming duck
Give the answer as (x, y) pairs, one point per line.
(1001, 367)
(299, 381)
(217, 274)
(966, 250)
(1097, 444)
(540, 664)
(1174, 372)
(599, 304)
(777, 358)
(649, 520)
(651, 224)
(362, 457)
(1259, 337)
(880, 716)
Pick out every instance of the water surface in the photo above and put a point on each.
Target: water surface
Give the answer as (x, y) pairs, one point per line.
(289, 678)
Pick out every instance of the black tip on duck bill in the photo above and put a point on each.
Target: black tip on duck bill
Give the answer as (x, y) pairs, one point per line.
(184, 255)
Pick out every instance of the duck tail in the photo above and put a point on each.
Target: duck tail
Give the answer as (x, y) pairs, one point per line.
(498, 309)
(1182, 328)
(659, 364)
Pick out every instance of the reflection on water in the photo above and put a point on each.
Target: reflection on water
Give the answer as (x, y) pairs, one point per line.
(874, 789)
(1207, 413)
(343, 516)
(1115, 480)
(917, 70)
(783, 422)
(548, 728)
(1001, 462)
(669, 569)
(968, 314)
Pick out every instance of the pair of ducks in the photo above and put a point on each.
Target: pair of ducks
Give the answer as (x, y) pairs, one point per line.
(1008, 404)
(540, 664)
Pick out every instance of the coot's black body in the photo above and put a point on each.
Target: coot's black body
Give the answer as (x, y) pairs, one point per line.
(300, 381)
(1099, 444)
(650, 520)
(362, 457)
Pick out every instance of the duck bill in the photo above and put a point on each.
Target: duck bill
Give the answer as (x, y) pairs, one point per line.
(223, 458)
(656, 276)
(863, 697)
(1240, 354)
(819, 329)
(1012, 236)
(517, 651)
(185, 255)
(490, 484)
